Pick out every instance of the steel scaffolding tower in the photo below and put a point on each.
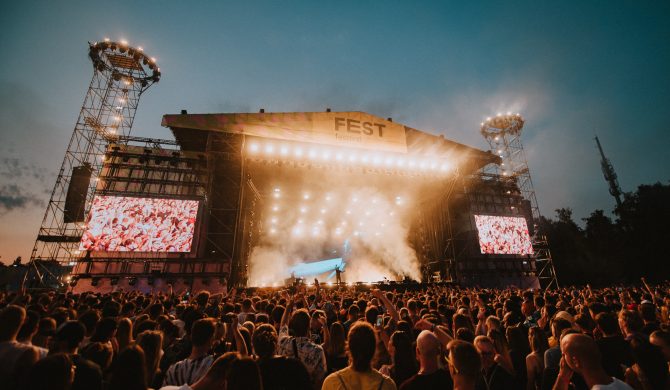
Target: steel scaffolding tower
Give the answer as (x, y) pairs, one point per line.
(121, 74)
(610, 175)
(503, 133)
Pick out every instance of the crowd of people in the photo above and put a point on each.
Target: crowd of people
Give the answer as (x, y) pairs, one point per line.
(126, 224)
(431, 337)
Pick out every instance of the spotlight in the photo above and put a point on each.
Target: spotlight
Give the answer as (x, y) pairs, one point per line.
(253, 147)
(269, 149)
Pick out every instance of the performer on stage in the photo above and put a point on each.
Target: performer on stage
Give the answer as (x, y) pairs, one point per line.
(338, 275)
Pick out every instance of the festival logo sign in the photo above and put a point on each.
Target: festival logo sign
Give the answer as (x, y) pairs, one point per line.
(349, 129)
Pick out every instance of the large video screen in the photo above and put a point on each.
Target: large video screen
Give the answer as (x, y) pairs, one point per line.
(503, 235)
(128, 224)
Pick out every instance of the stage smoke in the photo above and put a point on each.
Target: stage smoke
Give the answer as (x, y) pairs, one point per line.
(367, 226)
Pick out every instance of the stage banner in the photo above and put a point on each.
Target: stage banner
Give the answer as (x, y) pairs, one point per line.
(349, 129)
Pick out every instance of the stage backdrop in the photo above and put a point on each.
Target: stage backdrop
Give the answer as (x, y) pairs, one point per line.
(350, 129)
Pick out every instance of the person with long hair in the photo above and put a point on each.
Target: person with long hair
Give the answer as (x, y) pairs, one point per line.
(124, 333)
(151, 342)
(535, 359)
(518, 350)
(403, 362)
(130, 370)
(361, 346)
(334, 347)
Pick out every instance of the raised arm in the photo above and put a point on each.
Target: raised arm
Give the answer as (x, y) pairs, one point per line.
(390, 307)
(443, 336)
(239, 340)
(287, 313)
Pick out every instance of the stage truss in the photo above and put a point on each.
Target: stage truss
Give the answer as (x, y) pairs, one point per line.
(121, 74)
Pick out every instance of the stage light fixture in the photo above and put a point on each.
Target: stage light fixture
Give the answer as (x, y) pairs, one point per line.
(253, 147)
(283, 150)
(275, 208)
(269, 149)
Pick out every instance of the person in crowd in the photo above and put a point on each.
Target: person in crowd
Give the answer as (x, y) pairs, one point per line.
(130, 370)
(430, 374)
(29, 330)
(403, 362)
(11, 320)
(535, 359)
(361, 346)
(334, 347)
(214, 378)
(277, 372)
(151, 342)
(87, 375)
(581, 356)
(189, 370)
(464, 365)
(244, 375)
(661, 339)
(650, 370)
(631, 325)
(297, 343)
(494, 374)
(615, 351)
(54, 372)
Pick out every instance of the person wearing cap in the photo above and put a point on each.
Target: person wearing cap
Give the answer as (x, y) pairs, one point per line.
(69, 335)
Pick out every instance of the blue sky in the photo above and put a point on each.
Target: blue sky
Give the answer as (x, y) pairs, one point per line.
(571, 68)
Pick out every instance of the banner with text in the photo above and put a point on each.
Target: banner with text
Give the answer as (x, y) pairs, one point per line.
(350, 129)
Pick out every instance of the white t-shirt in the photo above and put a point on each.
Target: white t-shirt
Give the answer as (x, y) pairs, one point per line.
(182, 387)
(615, 385)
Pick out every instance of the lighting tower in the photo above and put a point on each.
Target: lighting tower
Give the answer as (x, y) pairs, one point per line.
(610, 175)
(503, 133)
(121, 74)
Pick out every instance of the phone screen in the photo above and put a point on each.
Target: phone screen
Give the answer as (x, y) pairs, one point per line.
(380, 320)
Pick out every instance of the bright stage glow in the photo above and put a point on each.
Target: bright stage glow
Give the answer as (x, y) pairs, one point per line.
(366, 221)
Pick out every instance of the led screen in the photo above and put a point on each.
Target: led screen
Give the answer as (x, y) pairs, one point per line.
(503, 235)
(126, 224)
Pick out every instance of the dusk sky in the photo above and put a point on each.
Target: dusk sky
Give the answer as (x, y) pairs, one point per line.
(572, 69)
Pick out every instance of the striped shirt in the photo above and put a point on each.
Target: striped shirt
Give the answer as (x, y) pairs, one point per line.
(188, 371)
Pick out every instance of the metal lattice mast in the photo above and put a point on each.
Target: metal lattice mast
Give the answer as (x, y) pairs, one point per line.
(121, 74)
(503, 133)
(610, 175)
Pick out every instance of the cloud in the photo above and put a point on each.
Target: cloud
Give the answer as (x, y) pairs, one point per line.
(23, 184)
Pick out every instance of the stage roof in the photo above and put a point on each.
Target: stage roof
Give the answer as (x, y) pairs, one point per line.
(351, 129)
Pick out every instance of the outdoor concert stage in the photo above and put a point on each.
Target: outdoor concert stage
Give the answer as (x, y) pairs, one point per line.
(247, 199)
